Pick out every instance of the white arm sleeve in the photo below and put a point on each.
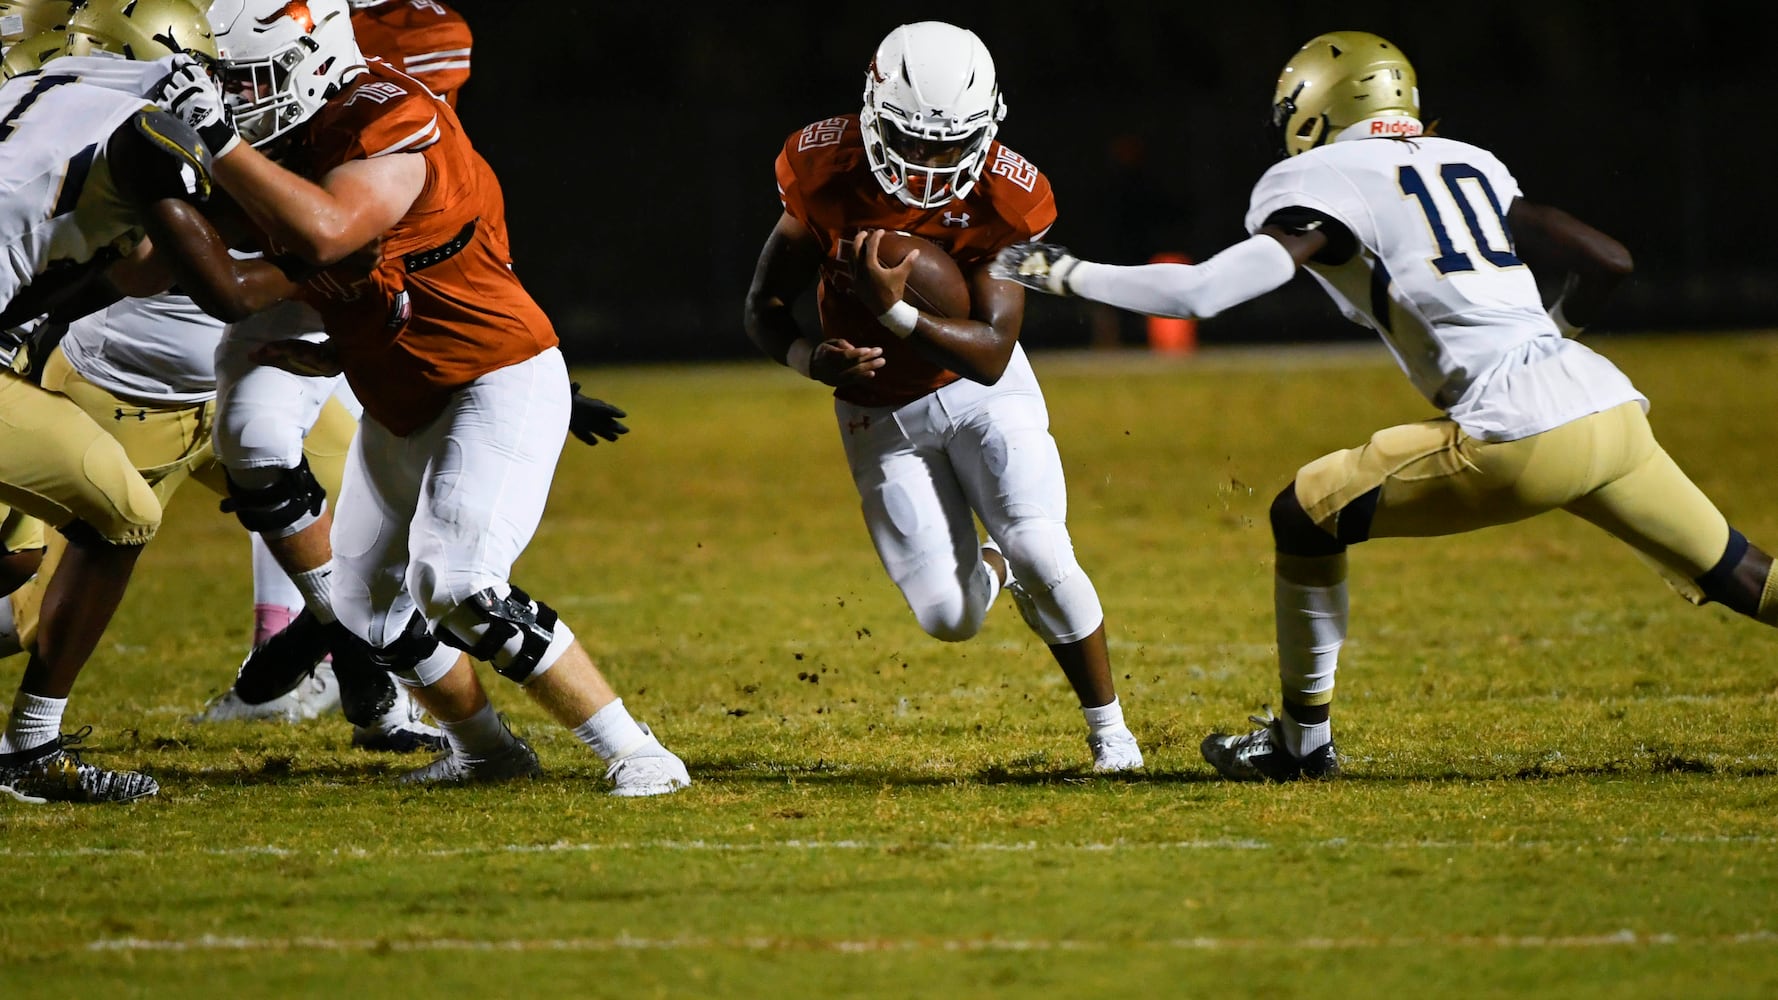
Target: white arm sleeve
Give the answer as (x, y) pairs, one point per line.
(1244, 271)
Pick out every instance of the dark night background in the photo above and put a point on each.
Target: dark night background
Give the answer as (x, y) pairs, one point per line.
(635, 142)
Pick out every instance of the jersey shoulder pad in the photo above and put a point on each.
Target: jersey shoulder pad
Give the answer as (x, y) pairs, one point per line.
(1300, 182)
(1019, 192)
(155, 155)
(382, 112)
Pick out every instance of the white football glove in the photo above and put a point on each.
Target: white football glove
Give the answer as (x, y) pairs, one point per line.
(1041, 267)
(190, 93)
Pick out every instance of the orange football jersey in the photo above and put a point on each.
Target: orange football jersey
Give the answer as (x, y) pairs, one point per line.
(443, 307)
(825, 182)
(423, 38)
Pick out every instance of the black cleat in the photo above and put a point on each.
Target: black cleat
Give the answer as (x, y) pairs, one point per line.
(1261, 756)
(277, 666)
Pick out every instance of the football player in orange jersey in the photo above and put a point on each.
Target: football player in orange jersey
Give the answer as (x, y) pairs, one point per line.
(423, 38)
(942, 419)
(431, 43)
(466, 396)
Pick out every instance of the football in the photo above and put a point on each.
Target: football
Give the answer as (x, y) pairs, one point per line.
(937, 285)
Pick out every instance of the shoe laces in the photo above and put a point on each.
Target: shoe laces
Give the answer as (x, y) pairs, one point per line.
(65, 744)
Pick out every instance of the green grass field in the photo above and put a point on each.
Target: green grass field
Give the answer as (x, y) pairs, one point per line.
(1562, 777)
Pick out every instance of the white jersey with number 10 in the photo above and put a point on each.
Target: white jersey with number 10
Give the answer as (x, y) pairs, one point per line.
(1436, 275)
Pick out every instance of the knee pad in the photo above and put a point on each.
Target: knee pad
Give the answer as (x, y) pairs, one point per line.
(292, 501)
(1065, 613)
(1053, 594)
(519, 636)
(1295, 533)
(945, 626)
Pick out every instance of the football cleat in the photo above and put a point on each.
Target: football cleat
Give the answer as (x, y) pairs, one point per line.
(515, 762)
(316, 694)
(1261, 755)
(1115, 751)
(400, 729)
(650, 769)
(54, 772)
(279, 663)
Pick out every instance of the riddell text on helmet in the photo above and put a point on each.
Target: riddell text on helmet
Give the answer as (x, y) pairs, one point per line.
(1395, 126)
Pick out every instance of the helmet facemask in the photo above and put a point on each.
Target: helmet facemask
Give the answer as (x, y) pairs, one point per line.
(932, 107)
(280, 68)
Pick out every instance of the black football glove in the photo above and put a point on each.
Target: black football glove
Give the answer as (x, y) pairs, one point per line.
(592, 419)
(1041, 267)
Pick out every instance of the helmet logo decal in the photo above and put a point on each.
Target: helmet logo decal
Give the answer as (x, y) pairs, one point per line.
(296, 10)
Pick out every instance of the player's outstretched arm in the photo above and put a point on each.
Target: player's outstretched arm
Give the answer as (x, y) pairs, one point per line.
(1595, 264)
(788, 265)
(1245, 271)
(977, 348)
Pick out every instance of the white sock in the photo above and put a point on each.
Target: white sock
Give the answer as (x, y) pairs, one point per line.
(9, 629)
(1311, 629)
(34, 722)
(316, 586)
(478, 737)
(611, 733)
(1104, 719)
(1303, 740)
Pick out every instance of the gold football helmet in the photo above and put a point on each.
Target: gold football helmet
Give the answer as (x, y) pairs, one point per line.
(32, 52)
(21, 19)
(1337, 80)
(142, 29)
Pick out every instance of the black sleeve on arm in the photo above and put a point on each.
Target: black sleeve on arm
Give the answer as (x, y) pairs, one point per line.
(154, 155)
(1341, 244)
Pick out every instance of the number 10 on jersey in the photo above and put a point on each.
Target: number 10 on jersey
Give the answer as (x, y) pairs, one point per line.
(1467, 186)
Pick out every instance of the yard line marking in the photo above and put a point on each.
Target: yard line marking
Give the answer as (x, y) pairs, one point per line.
(624, 942)
(887, 846)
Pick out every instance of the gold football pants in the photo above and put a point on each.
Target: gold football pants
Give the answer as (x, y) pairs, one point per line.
(1606, 468)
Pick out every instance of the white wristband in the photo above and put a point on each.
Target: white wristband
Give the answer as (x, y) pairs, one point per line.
(900, 318)
(798, 357)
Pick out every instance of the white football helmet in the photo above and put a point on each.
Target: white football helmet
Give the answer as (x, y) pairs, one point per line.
(281, 60)
(931, 108)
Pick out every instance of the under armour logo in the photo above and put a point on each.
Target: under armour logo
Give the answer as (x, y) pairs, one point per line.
(956, 220)
(141, 415)
(861, 424)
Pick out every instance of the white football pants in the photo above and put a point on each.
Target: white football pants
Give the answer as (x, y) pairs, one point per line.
(926, 469)
(430, 519)
(263, 413)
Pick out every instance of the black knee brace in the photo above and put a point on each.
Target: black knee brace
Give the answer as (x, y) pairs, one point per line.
(366, 691)
(295, 495)
(512, 621)
(1294, 533)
